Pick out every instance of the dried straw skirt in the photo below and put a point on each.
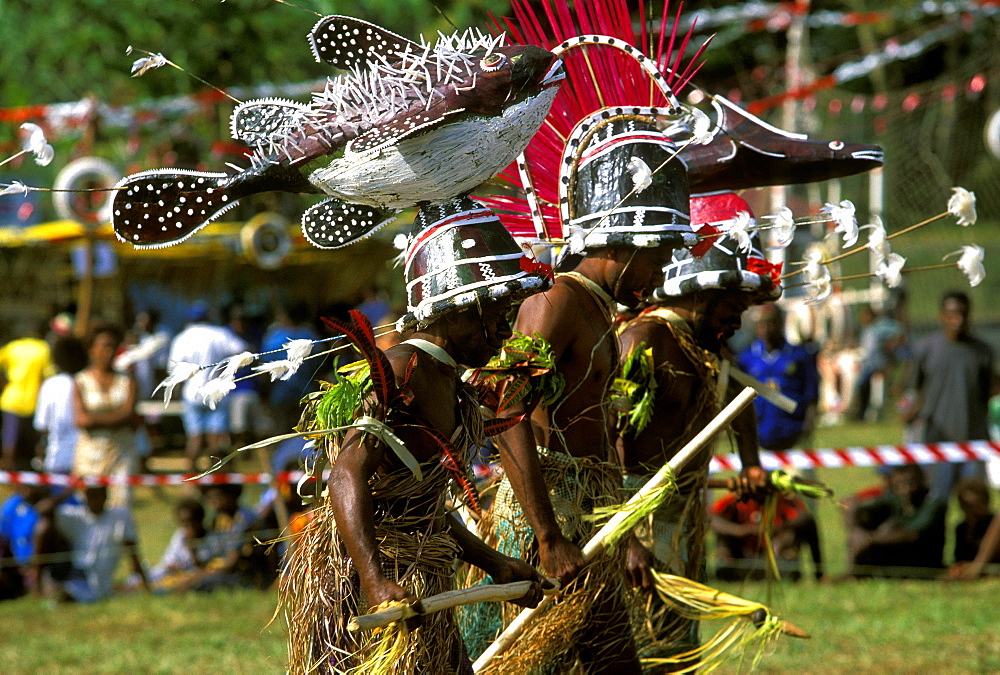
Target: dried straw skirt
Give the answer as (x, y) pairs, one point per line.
(321, 592)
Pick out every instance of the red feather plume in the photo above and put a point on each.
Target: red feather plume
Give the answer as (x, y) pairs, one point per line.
(359, 332)
(596, 77)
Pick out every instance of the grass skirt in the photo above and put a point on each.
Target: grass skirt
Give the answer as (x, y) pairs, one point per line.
(582, 611)
(321, 593)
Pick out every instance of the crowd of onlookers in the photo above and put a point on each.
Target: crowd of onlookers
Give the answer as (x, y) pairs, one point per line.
(69, 407)
(944, 381)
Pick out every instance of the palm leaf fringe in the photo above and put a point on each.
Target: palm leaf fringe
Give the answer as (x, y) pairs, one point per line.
(634, 392)
(753, 626)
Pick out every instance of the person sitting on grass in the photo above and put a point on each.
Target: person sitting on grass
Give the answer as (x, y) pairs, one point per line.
(974, 499)
(900, 533)
(187, 551)
(977, 538)
(741, 551)
(86, 542)
(18, 519)
(233, 557)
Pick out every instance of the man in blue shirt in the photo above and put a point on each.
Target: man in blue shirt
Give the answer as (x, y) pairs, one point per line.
(291, 323)
(789, 368)
(18, 518)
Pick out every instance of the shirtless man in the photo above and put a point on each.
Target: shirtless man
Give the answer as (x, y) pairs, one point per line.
(559, 463)
(695, 313)
(395, 539)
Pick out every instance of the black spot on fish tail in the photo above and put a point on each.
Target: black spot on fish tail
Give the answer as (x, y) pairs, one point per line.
(162, 207)
(333, 223)
(345, 42)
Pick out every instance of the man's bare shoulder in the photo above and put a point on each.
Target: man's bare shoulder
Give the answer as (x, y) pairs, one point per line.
(425, 369)
(666, 349)
(550, 312)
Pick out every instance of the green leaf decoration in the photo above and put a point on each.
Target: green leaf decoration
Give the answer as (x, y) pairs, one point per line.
(633, 393)
(525, 366)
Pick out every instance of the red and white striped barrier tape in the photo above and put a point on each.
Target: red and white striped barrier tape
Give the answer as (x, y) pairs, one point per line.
(823, 458)
(880, 455)
(59, 479)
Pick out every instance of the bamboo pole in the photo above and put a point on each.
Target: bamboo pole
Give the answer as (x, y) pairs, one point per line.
(600, 540)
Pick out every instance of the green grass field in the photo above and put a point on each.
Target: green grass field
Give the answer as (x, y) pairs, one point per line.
(868, 627)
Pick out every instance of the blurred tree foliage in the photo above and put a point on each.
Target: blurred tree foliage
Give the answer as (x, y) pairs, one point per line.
(63, 50)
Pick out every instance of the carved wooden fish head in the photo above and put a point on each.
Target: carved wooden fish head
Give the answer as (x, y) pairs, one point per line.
(748, 152)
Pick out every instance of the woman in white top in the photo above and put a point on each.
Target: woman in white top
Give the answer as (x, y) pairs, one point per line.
(54, 417)
(104, 409)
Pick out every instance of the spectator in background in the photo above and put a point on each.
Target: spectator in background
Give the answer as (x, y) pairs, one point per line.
(882, 341)
(291, 323)
(791, 369)
(18, 520)
(989, 551)
(233, 558)
(952, 373)
(24, 364)
(54, 417)
(249, 420)
(104, 411)
(187, 552)
(96, 536)
(152, 346)
(900, 533)
(974, 500)
(740, 545)
(203, 344)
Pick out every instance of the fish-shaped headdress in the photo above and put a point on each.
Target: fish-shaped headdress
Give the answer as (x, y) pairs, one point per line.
(617, 88)
(407, 123)
(747, 152)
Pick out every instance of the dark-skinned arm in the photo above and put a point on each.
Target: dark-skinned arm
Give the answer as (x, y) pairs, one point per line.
(753, 480)
(639, 560)
(988, 549)
(351, 500)
(122, 416)
(501, 568)
(518, 451)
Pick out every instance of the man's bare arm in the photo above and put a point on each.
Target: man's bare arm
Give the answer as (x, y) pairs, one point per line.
(547, 315)
(501, 568)
(753, 480)
(351, 501)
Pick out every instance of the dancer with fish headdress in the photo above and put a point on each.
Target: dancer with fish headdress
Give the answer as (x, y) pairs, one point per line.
(669, 390)
(620, 201)
(558, 465)
(408, 125)
(404, 426)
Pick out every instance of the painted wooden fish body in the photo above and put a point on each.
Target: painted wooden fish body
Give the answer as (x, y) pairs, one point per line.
(409, 123)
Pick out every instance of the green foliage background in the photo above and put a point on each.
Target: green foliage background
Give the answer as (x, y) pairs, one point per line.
(63, 50)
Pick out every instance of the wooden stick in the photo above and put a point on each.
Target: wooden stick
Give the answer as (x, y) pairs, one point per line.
(598, 542)
(442, 601)
(769, 394)
(721, 484)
